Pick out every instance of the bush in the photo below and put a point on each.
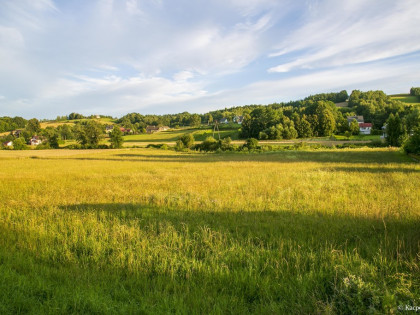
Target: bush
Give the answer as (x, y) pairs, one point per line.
(412, 145)
(19, 144)
(187, 140)
(251, 144)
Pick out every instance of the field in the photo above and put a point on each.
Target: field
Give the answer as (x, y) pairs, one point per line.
(406, 98)
(154, 231)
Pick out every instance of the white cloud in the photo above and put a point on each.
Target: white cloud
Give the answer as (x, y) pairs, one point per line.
(335, 34)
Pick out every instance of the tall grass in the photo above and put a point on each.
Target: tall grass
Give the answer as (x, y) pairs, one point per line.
(141, 230)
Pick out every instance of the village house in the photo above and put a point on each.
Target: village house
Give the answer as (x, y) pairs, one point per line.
(109, 128)
(17, 133)
(223, 121)
(364, 128)
(238, 119)
(7, 144)
(126, 130)
(35, 140)
(153, 129)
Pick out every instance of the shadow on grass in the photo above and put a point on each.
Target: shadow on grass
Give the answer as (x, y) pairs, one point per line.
(348, 157)
(302, 244)
(311, 228)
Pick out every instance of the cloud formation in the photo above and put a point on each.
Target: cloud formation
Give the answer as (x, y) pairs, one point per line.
(158, 56)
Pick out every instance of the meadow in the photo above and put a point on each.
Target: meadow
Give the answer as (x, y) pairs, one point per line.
(150, 231)
(407, 99)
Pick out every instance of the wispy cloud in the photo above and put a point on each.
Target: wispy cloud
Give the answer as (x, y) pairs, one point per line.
(113, 56)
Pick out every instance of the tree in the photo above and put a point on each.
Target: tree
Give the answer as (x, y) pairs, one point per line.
(304, 128)
(354, 127)
(195, 120)
(412, 145)
(251, 143)
(33, 126)
(395, 131)
(19, 144)
(116, 138)
(187, 140)
(88, 134)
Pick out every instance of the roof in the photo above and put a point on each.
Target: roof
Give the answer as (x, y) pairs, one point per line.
(365, 125)
(358, 118)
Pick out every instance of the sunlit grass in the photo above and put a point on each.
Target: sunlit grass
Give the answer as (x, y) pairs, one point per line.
(126, 231)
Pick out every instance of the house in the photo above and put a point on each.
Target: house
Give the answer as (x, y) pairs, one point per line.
(238, 119)
(153, 129)
(7, 144)
(384, 131)
(97, 117)
(365, 128)
(359, 119)
(109, 128)
(35, 140)
(126, 130)
(17, 133)
(223, 121)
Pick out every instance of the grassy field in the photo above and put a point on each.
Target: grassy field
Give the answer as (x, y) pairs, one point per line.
(173, 135)
(407, 98)
(154, 231)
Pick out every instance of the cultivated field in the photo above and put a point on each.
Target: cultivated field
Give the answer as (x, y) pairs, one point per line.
(406, 98)
(153, 231)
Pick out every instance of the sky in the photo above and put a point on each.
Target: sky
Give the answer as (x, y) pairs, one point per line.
(114, 57)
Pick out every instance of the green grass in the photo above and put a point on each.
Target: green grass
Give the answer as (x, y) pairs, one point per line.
(154, 231)
(173, 135)
(407, 98)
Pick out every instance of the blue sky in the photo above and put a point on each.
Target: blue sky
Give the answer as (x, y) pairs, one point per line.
(167, 56)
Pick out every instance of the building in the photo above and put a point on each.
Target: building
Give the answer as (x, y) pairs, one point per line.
(153, 129)
(224, 121)
(359, 119)
(109, 128)
(7, 144)
(365, 128)
(126, 130)
(35, 140)
(238, 119)
(17, 133)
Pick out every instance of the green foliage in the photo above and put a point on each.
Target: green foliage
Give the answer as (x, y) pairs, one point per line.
(33, 126)
(9, 124)
(412, 145)
(332, 97)
(251, 144)
(88, 134)
(74, 116)
(116, 138)
(187, 140)
(19, 144)
(395, 131)
(354, 127)
(415, 91)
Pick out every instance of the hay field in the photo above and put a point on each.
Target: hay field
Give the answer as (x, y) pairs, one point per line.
(154, 231)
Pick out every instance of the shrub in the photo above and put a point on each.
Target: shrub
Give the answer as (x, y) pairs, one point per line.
(251, 144)
(412, 145)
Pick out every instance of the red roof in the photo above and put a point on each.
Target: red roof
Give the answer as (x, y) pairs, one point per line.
(364, 125)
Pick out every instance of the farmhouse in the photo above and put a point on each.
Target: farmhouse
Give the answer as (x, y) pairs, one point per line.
(359, 119)
(7, 144)
(224, 121)
(153, 129)
(109, 128)
(238, 119)
(35, 140)
(126, 130)
(17, 133)
(364, 128)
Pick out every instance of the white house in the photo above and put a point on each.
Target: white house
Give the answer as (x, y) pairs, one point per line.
(224, 121)
(35, 140)
(8, 143)
(365, 128)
